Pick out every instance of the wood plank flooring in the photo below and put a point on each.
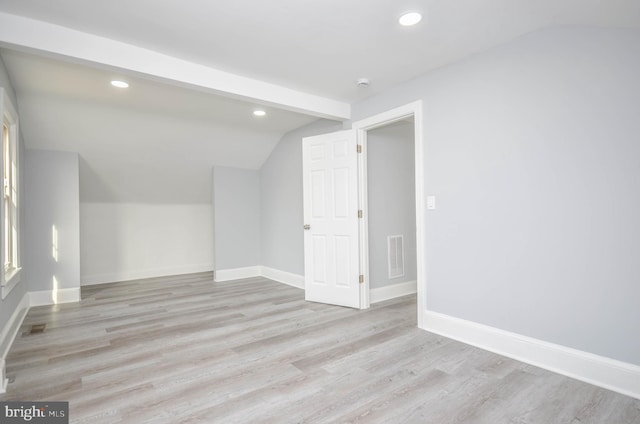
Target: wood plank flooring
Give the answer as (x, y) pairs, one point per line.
(187, 350)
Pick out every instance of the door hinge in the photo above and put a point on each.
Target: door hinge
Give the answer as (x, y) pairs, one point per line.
(361, 279)
(360, 213)
(359, 148)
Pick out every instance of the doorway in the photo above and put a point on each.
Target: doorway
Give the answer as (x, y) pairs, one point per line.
(409, 113)
(391, 210)
(336, 230)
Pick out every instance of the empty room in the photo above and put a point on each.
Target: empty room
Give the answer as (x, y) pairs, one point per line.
(380, 211)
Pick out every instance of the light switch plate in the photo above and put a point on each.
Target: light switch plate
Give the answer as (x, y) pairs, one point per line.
(431, 202)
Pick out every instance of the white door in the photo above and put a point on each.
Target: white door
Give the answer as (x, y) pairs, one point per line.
(330, 181)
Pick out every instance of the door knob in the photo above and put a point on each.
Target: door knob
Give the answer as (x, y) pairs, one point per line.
(307, 226)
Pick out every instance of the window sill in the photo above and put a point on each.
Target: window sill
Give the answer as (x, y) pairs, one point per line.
(11, 279)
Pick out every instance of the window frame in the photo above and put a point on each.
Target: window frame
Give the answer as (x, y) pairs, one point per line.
(11, 271)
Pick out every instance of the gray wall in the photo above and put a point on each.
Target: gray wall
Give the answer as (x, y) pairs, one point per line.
(391, 199)
(281, 200)
(10, 303)
(532, 150)
(236, 209)
(52, 199)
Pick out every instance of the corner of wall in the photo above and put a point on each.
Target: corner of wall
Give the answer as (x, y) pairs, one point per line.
(51, 297)
(392, 291)
(284, 277)
(236, 273)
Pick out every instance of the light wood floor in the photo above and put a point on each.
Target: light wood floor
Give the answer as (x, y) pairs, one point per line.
(186, 350)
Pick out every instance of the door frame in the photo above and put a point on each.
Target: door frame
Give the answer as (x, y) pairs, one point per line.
(362, 126)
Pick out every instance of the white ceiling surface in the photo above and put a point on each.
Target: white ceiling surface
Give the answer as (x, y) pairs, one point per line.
(156, 142)
(321, 47)
(151, 142)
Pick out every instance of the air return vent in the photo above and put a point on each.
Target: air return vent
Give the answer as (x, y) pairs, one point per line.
(395, 249)
(37, 328)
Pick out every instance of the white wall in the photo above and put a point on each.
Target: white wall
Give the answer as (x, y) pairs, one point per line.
(51, 204)
(281, 200)
(236, 211)
(123, 241)
(532, 150)
(391, 199)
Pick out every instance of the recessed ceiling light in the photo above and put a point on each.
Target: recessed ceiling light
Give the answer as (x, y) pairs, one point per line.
(259, 112)
(119, 84)
(410, 18)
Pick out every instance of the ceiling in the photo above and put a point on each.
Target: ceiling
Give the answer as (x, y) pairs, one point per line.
(152, 142)
(179, 118)
(321, 47)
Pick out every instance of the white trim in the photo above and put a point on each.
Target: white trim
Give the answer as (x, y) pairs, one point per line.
(54, 297)
(13, 278)
(89, 280)
(12, 326)
(8, 335)
(284, 277)
(68, 44)
(363, 204)
(3, 379)
(10, 278)
(608, 373)
(381, 294)
(237, 273)
(412, 109)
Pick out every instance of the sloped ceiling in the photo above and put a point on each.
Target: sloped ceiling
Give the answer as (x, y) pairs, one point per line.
(157, 141)
(152, 142)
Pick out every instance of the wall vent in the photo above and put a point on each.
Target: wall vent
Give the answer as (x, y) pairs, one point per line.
(395, 249)
(37, 328)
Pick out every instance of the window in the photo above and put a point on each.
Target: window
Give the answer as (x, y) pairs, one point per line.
(9, 214)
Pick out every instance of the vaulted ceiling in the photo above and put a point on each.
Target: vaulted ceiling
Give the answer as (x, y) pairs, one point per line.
(197, 69)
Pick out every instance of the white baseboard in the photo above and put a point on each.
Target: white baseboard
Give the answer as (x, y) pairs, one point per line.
(605, 372)
(296, 280)
(10, 330)
(51, 297)
(3, 379)
(289, 278)
(8, 335)
(237, 273)
(381, 294)
(89, 280)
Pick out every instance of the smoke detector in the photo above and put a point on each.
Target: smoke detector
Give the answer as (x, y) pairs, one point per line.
(363, 82)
